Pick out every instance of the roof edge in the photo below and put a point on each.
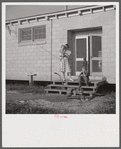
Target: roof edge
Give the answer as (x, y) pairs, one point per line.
(65, 13)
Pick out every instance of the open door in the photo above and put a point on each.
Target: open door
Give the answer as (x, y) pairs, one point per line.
(81, 51)
(95, 55)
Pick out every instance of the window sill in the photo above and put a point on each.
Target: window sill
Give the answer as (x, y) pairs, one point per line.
(36, 42)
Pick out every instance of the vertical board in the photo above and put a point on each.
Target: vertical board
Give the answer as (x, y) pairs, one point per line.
(88, 67)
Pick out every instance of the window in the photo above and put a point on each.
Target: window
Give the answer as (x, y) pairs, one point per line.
(26, 34)
(32, 34)
(39, 33)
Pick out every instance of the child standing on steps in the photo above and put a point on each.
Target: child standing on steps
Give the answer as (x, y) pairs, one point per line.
(64, 64)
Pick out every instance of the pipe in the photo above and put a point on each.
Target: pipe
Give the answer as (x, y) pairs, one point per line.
(51, 51)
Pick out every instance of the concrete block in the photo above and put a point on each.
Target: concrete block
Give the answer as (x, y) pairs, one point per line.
(15, 65)
(31, 65)
(105, 64)
(106, 59)
(48, 65)
(20, 65)
(54, 61)
(60, 29)
(55, 25)
(113, 59)
(43, 57)
(105, 54)
(31, 58)
(113, 54)
(111, 68)
(37, 65)
(46, 61)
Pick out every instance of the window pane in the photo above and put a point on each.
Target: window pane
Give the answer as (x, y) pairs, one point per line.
(43, 35)
(39, 32)
(29, 37)
(26, 34)
(96, 65)
(23, 37)
(81, 47)
(36, 36)
(79, 65)
(29, 30)
(96, 46)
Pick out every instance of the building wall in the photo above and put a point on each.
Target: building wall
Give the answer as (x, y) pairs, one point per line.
(35, 58)
(21, 60)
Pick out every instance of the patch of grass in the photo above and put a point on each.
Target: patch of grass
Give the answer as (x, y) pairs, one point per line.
(22, 88)
(17, 108)
(98, 105)
(106, 108)
(111, 95)
(107, 105)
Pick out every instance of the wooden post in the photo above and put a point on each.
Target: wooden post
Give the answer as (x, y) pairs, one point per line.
(31, 81)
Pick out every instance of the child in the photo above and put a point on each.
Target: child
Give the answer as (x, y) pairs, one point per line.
(64, 64)
(83, 77)
(84, 63)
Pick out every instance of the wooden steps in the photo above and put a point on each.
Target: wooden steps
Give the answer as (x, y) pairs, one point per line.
(62, 88)
(60, 91)
(65, 87)
(71, 86)
(92, 82)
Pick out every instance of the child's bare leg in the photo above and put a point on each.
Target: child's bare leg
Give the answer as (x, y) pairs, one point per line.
(63, 74)
(79, 80)
(86, 81)
(70, 76)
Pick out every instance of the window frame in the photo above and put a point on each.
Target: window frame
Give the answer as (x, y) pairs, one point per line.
(32, 40)
(21, 34)
(39, 27)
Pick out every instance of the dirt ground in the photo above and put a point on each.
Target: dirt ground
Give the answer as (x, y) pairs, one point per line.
(97, 105)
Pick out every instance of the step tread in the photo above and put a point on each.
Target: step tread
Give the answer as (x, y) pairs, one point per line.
(76, 86)
(57, 90)
(91, 81)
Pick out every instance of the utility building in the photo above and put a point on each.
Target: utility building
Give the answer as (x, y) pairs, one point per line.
(33, 43)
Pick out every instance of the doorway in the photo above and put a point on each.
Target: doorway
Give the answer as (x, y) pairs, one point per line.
(90, 47)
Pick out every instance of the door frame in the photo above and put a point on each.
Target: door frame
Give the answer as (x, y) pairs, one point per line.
(87, 48)
(94, 58)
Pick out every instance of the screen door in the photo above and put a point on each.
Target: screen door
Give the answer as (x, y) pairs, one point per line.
(81, 50)
(95, 55)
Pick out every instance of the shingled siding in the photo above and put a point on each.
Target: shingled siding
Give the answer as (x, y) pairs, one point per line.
(32, 58)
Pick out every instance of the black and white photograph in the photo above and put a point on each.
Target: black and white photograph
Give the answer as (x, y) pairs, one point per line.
(61, 60)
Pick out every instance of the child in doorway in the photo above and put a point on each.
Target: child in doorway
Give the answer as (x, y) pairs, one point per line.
(84, 77)
(84, 63)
